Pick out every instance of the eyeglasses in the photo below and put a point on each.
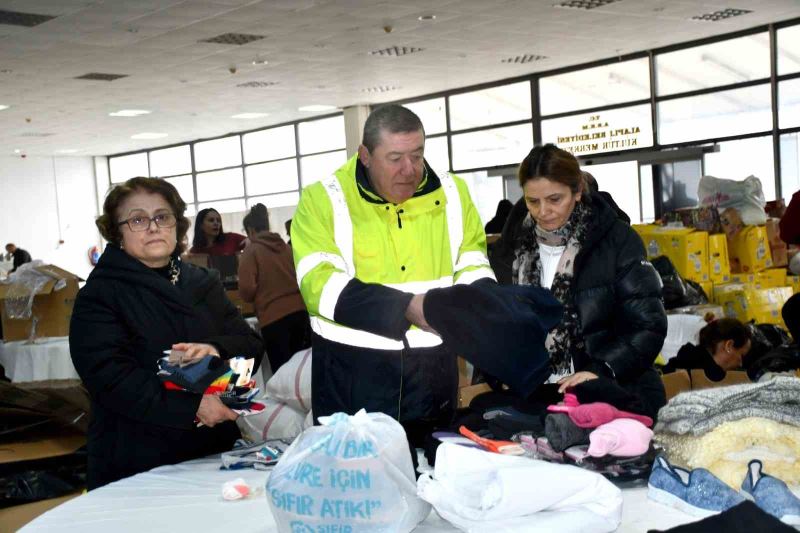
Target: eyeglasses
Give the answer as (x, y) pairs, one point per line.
(142, 223)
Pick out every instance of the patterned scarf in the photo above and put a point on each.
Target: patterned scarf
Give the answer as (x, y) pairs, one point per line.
(564, 341)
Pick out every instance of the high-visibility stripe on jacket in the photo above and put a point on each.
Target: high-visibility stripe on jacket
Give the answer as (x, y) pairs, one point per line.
(429, 241)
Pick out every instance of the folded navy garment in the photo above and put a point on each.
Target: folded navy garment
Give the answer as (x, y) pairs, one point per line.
(498, 328)
(195, 377)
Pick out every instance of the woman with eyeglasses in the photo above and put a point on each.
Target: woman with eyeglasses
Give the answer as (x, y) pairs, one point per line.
(139, 301)
(211, 239)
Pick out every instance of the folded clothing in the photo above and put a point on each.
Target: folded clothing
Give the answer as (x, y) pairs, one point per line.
(195, 377)
(592, 415)
(561, 432)
(481, 491)
(700, 411)
(726, 450)
(644, 396)
(621, 437)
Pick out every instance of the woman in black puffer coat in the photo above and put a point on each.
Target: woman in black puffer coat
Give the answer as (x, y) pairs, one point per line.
(560, 237)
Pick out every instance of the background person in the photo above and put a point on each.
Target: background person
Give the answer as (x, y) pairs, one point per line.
(18, 255)
(139, 301)
(211, 239)
(267, 279)
(723, 345)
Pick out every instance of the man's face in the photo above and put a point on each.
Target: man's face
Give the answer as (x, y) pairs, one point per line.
(11, 248)
(396, 165)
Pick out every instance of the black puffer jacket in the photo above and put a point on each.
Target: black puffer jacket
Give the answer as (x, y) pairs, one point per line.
(617, 293)
(123, 319)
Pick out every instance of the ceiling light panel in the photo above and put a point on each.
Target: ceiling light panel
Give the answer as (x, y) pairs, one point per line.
(129, 113)
(236, 39)
(585, 4)
(149, 135)
(257, 84)
(525, 58)
(716, 16)
(317, 107)
(380, 89)
(396, 51)
(250, 115)
(17, 18)
(99, 76)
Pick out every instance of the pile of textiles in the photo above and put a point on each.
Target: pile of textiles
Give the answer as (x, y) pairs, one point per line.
(722, 429)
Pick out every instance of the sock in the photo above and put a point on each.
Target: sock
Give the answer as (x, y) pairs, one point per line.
(562, 433)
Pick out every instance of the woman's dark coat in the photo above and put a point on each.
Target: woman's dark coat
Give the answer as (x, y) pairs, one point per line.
(123, 320)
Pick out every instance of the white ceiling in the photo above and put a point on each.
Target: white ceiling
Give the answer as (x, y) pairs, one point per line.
(318, 53)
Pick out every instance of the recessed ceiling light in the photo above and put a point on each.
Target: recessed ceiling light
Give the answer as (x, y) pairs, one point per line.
(67, 151)
(260, 61)
(316, 107)
(129, 113)
(17, 150)
(149, 135)
(4, 107)
(426, 18)
(250, 115)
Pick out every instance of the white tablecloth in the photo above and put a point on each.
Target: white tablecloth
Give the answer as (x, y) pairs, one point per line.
(46, 359)
(187, 497)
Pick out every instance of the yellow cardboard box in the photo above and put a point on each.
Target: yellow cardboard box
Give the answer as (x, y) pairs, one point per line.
(719, 290)
(719, 268)
(771, 277)
(794, 282)
(761, 305)
(708, 288)
(748, 250)
(685, 247)
(743, 278)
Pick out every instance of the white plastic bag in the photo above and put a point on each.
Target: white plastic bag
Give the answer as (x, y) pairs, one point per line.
(291, 384)
(276, 421)
(352, 473)
(746, 196)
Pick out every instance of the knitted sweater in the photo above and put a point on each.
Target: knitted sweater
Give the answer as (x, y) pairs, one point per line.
(698, 412)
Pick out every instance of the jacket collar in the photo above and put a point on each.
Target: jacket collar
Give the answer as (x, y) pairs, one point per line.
(430, 182)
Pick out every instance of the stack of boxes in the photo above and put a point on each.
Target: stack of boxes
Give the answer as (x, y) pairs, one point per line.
(732, 262)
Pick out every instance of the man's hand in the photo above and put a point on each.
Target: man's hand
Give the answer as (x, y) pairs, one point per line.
(570, 381)
(193, 351)
(212, 411)
(416, 315)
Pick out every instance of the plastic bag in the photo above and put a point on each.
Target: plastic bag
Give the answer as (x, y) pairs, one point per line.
(353, 473)
(674, 288)
(24, 284)
(746, 196)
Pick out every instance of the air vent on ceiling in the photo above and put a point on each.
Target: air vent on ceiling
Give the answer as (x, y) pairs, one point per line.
(17, 18)
(36, 134)
(722, 15)
(257, 84)
(99, 76)
(380, 89)
(585, 4)
(237, 39)
(396, 51)
(525, 58)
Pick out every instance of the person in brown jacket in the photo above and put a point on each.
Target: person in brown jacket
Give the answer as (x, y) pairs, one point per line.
(267, 279)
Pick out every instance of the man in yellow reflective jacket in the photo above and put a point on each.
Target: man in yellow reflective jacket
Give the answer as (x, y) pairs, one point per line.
(368, 242)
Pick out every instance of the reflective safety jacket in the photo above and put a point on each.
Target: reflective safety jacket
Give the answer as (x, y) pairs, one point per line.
(359, 260)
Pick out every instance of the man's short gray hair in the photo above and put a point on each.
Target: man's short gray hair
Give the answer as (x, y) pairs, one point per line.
(391, 118)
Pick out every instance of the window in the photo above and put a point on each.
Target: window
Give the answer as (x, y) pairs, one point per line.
(226, 206)
(318, 167)
(486, 192)
(595, 87)
(722, 114)
(506, 103)
(736, 160)
(603, 131)
(220, 184)
(490, 148)
(184, 186)
(275, 200)
(128, 166)
(321, 135)
(621, 181)
(274, 177)
(788, 47)
(711, 65)
(789, 103)
(790, 165)
(266, 145)
(170, 161)
(436, 154)
(218, 153)
(431, 113)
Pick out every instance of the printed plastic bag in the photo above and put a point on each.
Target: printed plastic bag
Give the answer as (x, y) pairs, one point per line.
(352, 473)
(746, 196)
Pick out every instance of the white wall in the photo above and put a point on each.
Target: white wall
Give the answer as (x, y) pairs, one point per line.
(45, 200)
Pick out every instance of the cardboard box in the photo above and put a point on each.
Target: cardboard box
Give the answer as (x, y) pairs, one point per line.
(685, 247)
(705, 218)
(14, 518)
(761, 305)
(731, 222)
(774, 231)
(719, 268)
(35, 404)
(771, 277)
(676, 382)
(707, 311)
(775, 208)
(720, 290)
(744, 278)
(748, 251)
(732, 377)
(708, 288)
(466, 394)
(52, 306)
(793, 282)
